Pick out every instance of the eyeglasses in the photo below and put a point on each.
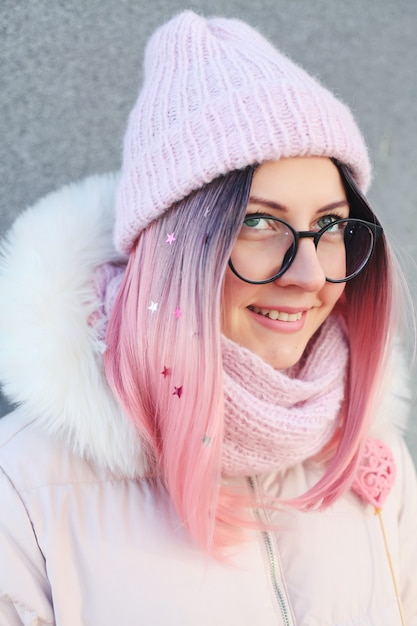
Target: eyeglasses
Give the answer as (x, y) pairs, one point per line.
(266, 246)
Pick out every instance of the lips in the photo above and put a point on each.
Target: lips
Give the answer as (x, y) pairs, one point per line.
(274, 314)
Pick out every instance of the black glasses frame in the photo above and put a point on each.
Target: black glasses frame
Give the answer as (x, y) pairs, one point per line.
(376, 230)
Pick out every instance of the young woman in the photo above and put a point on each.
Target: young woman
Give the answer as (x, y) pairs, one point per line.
(207, 391)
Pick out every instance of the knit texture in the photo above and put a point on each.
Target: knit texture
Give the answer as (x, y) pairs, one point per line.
(106, 284)
(274, 419)
(217, 97)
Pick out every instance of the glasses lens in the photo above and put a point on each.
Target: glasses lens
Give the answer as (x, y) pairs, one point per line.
(344, 249)
(264, 248)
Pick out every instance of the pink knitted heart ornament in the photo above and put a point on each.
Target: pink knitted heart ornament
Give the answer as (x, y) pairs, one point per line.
(376, 473)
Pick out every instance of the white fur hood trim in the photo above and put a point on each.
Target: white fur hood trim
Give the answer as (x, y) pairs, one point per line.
(50, 359)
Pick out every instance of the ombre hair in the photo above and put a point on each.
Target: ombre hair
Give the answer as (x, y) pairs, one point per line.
(164, 361)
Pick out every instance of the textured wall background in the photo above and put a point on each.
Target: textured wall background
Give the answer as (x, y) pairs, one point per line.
(70, 71)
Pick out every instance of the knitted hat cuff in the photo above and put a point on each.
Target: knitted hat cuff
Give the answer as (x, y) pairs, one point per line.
(181, 137)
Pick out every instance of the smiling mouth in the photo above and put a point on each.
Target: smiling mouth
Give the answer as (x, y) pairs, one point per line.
(277, 315)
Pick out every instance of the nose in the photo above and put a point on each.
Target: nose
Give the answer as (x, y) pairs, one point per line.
(305, 271)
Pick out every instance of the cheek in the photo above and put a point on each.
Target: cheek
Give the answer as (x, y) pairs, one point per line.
(236, 296)
(341, 270)
(228, 302)
(333, 293)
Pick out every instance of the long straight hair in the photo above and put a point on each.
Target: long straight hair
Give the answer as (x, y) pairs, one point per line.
(164, 361)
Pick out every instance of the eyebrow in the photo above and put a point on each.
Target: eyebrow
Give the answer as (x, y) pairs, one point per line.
(270, 204)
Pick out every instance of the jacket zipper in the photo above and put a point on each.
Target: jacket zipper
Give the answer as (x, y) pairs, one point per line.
(268, 543)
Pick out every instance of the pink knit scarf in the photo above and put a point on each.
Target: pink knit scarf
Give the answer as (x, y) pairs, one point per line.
(273, 419)
(276, 419)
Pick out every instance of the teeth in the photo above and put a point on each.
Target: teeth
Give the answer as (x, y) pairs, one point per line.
(277, 315)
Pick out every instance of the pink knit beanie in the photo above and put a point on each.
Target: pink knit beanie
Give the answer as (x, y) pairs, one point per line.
(217, 97)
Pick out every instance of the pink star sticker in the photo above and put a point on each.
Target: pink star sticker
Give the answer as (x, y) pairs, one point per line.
(177, 391)
(178, 313)
(170, 238)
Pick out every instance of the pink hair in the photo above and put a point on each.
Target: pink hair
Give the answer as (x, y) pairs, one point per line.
(166, 369)
(370, 312)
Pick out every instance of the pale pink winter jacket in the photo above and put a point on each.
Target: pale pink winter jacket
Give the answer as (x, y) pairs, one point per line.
(86, 539)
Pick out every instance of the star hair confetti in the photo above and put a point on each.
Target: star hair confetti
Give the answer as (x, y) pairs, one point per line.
(153, 307)
(178, 313)
(166, 371)
(177, 391)
(170, 238)
(206, 440)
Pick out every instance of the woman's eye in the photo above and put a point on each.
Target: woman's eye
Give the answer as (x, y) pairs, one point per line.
(262, 227)
(252, 221)
(255, 221)
(326, 220)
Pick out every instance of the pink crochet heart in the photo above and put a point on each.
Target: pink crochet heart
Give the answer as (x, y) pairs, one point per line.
(376, 473)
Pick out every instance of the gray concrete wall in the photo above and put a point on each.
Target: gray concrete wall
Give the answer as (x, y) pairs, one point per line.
(70, 72)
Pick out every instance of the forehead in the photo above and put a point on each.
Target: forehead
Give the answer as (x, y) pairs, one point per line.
(311, 181)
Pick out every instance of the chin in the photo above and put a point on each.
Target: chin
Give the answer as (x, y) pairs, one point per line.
(279, 359)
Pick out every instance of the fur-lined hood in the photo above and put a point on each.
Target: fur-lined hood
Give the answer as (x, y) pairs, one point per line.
(50, 357)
